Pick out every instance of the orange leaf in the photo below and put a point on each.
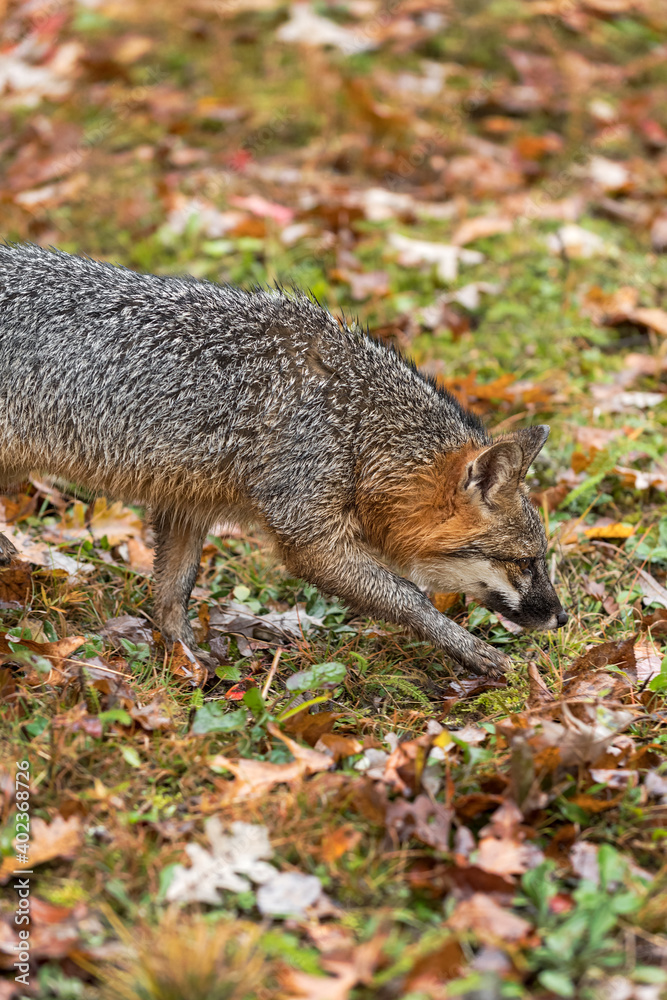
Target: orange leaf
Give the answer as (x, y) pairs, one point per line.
(444, 601)
(337, 843)
(617, 530)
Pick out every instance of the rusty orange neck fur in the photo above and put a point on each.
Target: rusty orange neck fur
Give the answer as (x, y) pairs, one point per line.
(423, 513)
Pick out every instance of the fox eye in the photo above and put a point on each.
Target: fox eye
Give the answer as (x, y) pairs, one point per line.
(525, 565)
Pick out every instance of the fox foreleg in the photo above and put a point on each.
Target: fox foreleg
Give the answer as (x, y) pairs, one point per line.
(369, 587)
(177, 556)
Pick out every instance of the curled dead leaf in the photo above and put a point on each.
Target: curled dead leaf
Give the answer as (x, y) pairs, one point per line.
(61, 838)
(487, 920)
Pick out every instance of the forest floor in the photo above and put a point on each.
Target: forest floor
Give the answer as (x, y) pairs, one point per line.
(483, 184)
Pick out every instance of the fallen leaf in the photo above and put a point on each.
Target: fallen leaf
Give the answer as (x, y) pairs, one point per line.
(77, 719)
(238, 619)
(338, 746)
(15, 584)
(487, 920)
(405, 765)
(598, 590)
(471, 805)
(430, 971)
(640, 480)
(55, 652)
(40, 554)
(309, 727)
(183, 662)
(304, 986)
(338, 842)
(152, 716)
(609, 174)
(115, 522)
(280, 214)
(505, 856)
(235, 859)
(61, 838)
(423, 819)
(305, 27)
(584, 861)
(445, 256)
(256, 777)
(616, 530)
(620, 306)
(131, 627)
(480, 227)
(368, 283)
(654, 592)
(656, 621)
(648, 662)
(575, 241)
(654, 319)
(288, 894)
(443, 602)
(139, 556)
(538, 692)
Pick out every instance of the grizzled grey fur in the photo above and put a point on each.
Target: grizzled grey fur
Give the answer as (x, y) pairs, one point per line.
(208, 403)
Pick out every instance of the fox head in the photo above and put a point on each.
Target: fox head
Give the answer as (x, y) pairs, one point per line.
(465, 523)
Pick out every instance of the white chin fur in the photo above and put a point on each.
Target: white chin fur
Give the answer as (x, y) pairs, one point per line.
(465, 576)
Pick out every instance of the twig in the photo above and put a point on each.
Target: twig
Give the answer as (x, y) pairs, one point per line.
(272, 670)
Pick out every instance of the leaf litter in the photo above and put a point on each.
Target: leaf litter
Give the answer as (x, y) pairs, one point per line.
(497, 215)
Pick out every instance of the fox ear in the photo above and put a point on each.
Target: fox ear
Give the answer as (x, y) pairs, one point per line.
(531, 441)
(505, 463)
(496, 469)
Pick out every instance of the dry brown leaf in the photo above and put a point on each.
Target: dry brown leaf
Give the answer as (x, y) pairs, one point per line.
(61, 838)
(538, 692)
(423, 818)
(620, 306)
(339, 746)
(338, 842)
(304, 986)
(78, 719)
(347, 968)
(480, 227)
(490, 922)
(16, 583)
(654, 319)
(471, 805)
(151, 716)
(309, 727)
(640, 480)
(656, 621)
(183, 663)
(437, 967)
(594, 804)
(536, 147)
(116, 522)
(256, 777)
(505, 856)
(405, 765)
(139, 556)
(55, 652)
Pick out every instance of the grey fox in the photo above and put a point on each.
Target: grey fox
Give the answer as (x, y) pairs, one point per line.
(205, 402)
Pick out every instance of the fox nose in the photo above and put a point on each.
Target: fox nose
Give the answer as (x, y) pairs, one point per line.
(561, 618)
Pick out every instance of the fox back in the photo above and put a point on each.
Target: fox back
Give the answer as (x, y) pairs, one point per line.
(206, 402)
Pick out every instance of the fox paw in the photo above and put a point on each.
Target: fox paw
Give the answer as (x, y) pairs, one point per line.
(7, 551)
(489, 662)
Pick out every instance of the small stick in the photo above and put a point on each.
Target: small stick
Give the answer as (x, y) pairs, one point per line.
(272, 670)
